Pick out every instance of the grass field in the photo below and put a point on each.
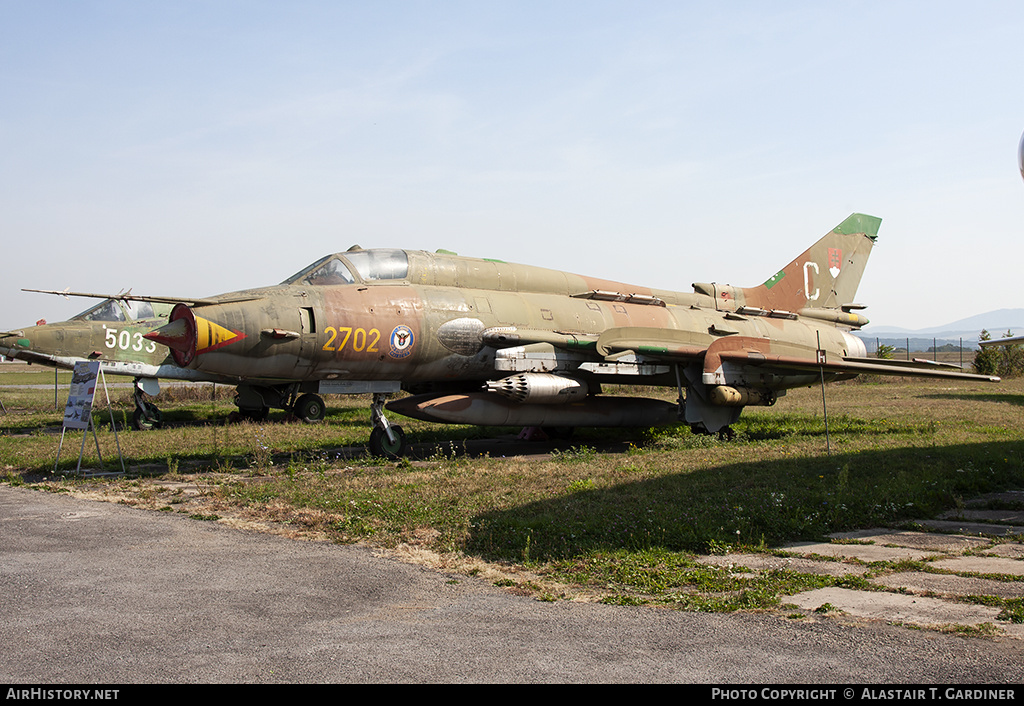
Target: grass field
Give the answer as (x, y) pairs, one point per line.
(610, 515)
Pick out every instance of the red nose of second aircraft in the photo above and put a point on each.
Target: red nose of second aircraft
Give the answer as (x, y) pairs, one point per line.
(188, 335)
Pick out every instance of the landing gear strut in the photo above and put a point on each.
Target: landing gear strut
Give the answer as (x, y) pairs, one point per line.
(386, 440)
(253, 401)
(146, 416)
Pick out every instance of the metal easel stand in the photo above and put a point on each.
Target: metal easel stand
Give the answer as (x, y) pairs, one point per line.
(92, 425)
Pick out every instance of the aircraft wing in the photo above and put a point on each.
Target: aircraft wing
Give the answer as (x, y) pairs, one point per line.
(876, 366)
(128, 296)
(42, 358)
(678, 346)
(1009, 340)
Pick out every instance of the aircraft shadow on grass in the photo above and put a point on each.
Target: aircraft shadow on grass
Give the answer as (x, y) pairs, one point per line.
(749, 502)
(1004, 397)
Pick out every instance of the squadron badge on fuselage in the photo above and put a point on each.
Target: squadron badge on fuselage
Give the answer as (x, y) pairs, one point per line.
(401, 342)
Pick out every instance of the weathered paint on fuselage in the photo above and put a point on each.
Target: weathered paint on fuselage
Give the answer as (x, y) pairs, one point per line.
(396, 329)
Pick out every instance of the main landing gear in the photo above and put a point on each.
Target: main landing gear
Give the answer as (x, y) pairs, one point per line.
(310, 408)
(386, 440)
(254, 401)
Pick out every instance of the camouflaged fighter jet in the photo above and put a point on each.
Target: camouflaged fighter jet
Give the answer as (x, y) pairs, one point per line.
(110, 332)
(493, 343)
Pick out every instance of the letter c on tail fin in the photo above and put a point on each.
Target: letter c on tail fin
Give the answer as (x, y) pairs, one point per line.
(827, 274)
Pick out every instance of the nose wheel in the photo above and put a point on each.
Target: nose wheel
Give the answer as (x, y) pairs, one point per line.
(387, 443)
(146, 415)
(386, 440)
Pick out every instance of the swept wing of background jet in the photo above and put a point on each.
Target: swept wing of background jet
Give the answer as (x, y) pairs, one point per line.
(494, 343)
(1005, 341)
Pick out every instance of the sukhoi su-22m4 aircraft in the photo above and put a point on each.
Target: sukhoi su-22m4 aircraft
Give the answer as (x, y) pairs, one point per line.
(487, 342)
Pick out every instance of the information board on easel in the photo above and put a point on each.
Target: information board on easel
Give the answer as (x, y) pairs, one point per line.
(78, 410)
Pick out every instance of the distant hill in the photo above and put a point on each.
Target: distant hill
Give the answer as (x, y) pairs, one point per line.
(995, 322)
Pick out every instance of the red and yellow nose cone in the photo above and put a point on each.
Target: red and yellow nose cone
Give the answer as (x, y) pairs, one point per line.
(188, 335)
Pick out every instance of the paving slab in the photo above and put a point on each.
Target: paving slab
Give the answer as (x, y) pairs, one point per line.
(1003, 517)
(863, 552)
(767, 562)
(1011, 551)
(924, 599)
(1006, 496)
(930, 541)
(895, 607)
(981, 565)
(972, 527)
(924, 582)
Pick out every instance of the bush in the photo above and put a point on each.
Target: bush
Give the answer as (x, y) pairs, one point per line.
(1004, 361)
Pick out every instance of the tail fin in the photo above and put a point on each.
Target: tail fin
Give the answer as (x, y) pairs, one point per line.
(825, 276)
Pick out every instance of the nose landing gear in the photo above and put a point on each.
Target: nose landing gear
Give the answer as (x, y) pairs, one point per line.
(146, 415)
(386, 440)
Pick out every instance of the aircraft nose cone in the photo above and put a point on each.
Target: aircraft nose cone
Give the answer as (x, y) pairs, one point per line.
(177, 335)
(12, 339)
(25, 344)
(188, 335)
(7, 340)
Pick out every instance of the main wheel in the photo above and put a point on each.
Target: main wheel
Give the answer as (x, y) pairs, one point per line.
(382, 446)
(310, 408)
(148, 418)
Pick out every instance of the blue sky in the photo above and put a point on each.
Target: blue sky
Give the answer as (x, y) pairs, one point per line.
(192, 148)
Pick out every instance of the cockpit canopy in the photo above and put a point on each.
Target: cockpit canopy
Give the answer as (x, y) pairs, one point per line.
(124, 311)
(368, 266)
